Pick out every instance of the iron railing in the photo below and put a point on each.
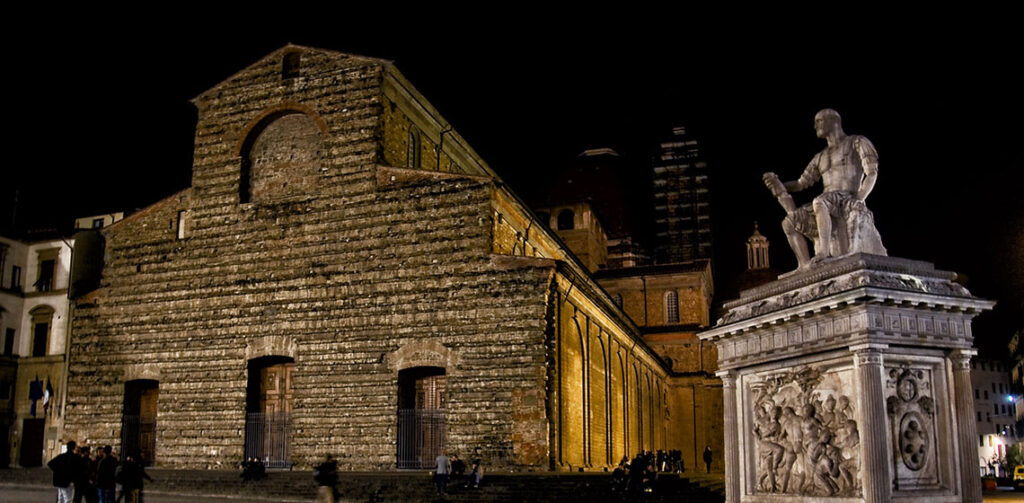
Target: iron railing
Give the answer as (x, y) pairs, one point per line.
(138, 437)
(421, 437)
(268, 437)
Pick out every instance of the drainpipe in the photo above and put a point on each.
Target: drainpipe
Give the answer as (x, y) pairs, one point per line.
(440, 144)
(67, 351)
(643, 279)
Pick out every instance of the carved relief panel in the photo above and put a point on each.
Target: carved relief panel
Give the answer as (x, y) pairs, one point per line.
(910, 404)
(805, 435)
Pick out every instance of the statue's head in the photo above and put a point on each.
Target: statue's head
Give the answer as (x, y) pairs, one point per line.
(826, 121)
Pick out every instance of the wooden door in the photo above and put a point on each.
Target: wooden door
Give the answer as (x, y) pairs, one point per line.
(32, 442)
(430, 392)
(147, 424)
(276, 388)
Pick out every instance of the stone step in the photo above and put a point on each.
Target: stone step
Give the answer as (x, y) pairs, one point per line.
(407, 487)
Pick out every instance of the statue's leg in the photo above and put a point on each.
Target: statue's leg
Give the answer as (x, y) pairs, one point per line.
(797, 242)
(823, 218)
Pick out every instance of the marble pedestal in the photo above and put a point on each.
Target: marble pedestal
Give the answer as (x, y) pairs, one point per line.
(850, 381)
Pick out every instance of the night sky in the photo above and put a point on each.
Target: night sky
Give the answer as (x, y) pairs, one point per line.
(103, 121)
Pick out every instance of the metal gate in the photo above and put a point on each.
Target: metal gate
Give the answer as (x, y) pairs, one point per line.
(421, 437)
(267, 437)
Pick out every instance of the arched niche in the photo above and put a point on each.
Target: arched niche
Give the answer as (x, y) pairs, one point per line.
(281, 156)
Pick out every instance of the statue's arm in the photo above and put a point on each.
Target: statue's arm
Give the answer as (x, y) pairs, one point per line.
(810, 176)
(869, 161)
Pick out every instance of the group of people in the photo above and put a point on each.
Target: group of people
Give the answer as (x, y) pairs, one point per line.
(638, 475)
(253, 469)
(454, 470)
(78, 476)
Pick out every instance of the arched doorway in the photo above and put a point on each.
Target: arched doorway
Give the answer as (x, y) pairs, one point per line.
(421, 421)
(138, 421)
(268, 410)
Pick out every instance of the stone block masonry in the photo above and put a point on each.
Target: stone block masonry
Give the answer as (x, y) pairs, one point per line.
(300, 241)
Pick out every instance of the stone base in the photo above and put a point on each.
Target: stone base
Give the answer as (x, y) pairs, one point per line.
(850, 382)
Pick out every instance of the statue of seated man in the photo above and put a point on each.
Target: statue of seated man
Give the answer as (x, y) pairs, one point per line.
(837, 221)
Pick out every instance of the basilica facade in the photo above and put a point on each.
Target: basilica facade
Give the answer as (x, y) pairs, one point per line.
(346, 275)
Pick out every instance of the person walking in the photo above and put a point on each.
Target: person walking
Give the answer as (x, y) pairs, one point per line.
(477, 465)
(106, 470)
(707, 457)
(65, 468)
(130, 476)
(326, 476)
(444, 467)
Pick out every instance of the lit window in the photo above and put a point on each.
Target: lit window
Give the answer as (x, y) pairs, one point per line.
(412, 152)
(97, 223)
(672, 307)
(181, 225)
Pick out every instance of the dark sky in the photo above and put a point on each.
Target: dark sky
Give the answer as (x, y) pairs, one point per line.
(103, 122)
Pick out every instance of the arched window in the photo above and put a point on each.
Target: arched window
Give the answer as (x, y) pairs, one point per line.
(412, 152)
(671, 307)
(566, 220)
(42, 321)
(290, 65)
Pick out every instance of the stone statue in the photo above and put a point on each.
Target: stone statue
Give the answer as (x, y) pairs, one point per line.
(838, 221)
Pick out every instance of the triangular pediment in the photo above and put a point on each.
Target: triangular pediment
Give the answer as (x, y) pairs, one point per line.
(267, 70)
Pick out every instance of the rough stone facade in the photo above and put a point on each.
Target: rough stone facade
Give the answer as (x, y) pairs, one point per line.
(336, 221)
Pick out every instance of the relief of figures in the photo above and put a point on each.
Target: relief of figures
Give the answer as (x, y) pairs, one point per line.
(807, 440)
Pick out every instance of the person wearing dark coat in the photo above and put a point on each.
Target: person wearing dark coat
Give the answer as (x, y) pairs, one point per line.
(326, 476)
(458, 470)
(130, 476)
(84, 487)
(707, 457)
(637, 470)
(65, 470)
(106, 470)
